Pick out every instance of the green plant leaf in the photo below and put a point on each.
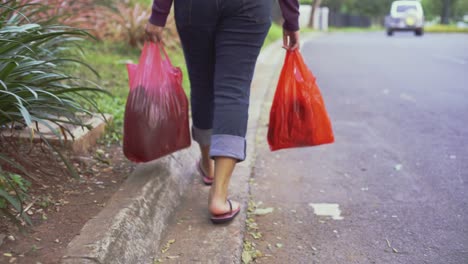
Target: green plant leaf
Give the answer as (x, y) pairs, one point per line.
(25, 113)
(11, 200)
(69, 166)
(6, 69)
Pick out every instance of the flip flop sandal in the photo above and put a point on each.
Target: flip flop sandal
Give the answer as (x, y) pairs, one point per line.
(206, 180)
(227, 217)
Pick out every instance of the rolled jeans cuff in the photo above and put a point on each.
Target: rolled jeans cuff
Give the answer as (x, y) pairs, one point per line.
(202, 136)
(228, 146)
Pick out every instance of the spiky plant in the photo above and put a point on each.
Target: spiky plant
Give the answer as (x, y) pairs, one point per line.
(36, 87)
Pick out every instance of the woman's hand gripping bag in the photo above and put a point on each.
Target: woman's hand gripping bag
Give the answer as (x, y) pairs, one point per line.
(298, 117)
(156, 121)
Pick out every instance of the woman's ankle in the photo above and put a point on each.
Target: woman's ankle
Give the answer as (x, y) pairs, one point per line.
(207, 167)
(224, 167)
(207, 163)
(221, 206)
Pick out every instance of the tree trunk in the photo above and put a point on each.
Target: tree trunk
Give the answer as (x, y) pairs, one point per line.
(315, 4)
(446, 8)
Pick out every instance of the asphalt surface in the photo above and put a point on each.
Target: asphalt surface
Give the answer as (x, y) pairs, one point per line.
(398, 171)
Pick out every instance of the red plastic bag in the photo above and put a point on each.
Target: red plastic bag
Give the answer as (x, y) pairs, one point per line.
(156, 119)
(298, 117)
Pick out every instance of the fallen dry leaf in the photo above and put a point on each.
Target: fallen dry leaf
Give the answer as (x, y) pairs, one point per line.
(167, 246)
(246, 257)
(263, 211)
(256, 235)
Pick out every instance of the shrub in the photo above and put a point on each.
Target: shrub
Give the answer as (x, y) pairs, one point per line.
(13, 190)
(36, 87)
(85, 14)
(105, 20)
(126, 22)
(445, 29)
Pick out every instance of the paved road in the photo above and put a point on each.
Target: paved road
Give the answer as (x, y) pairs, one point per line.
(398, 171)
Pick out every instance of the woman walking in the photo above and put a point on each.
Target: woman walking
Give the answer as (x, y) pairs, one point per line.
(221, 40)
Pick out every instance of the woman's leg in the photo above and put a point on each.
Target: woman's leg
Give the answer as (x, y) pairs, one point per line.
(219, 190)
(239, 37)
(198, 44)
(206, 163)
(221, 53)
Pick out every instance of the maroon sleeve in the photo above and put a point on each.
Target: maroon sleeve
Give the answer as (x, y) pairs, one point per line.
(290, 11)
(160, 11)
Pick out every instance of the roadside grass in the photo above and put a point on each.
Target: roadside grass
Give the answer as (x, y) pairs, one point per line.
(428, 29)
(355, 29)
(110, 59)
(275, 33)
(445, 29)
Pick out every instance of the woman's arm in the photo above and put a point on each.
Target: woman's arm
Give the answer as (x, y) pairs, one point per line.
(160, 12)
(290, 11)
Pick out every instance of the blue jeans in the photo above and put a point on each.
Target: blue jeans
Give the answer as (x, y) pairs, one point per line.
(221, 40)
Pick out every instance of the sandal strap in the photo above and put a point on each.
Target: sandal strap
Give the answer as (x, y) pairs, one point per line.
(230, 205)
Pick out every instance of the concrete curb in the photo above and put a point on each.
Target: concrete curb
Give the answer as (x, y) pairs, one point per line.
(129, 228)
(83, 139)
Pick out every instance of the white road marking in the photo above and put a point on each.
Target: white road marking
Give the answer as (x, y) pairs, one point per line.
(460, 179)
(451, 59)
(407, 97)
(327, 209)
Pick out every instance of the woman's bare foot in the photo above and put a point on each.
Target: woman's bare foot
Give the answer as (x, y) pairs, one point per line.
(220, 205)
(217, 202)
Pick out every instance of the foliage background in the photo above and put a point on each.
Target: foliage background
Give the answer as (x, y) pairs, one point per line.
(434, 9)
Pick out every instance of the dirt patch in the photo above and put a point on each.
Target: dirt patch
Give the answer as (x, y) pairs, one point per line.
(61, 205)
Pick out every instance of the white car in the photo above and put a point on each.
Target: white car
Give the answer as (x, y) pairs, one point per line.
(405, 16)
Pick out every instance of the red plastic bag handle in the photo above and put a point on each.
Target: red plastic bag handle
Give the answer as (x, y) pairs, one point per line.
(161, 47)
(165, 53)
